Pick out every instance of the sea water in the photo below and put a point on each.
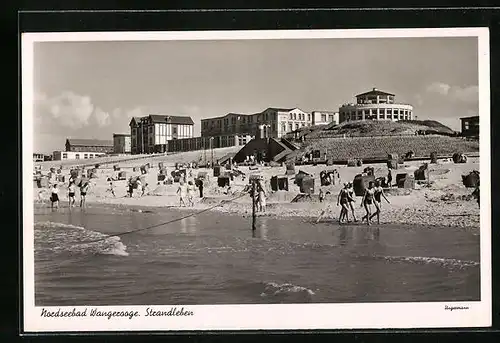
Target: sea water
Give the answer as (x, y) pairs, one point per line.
(95, 257)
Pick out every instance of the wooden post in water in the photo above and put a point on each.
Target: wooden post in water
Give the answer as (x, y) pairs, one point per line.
(253, 204)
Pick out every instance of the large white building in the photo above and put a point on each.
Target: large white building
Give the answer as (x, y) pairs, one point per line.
(150, 134)
(75, 155)
(276, 122)
(324, 117)
(375, 105)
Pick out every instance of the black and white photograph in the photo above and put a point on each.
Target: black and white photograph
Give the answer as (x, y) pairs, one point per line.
(241, 180)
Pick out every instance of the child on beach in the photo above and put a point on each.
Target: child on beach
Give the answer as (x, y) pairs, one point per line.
(84, 188)
(144, 189)
(367, 201)
(321, 195)
(190, 193)
(54, 197)
(71, 194)
(343, 200)
(112, 188)
(378, 195)
(182, 194)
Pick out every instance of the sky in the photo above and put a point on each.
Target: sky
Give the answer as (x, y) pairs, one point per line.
(92, 89)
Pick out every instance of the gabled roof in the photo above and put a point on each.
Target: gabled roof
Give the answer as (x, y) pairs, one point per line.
(161, 118)
(89, 142)
(375, 91)
(278, 109)
(133, 120)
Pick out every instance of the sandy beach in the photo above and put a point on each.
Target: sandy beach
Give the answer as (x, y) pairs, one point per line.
(445, 201)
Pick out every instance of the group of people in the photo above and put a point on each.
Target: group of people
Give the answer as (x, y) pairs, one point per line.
(54, 196)
(138, 185)
(372, 197)
(186, 193)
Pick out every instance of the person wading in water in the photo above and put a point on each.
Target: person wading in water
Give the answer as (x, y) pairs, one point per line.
(83, 193)
(367, 201)
(378, 194)
(343, 199)
(350, 192)
(71, 194)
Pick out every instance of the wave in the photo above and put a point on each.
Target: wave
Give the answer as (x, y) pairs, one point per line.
(59, 238)
(443, 262)
(286, 289)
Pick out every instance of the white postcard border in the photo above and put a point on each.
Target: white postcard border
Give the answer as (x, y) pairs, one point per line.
(253, 317)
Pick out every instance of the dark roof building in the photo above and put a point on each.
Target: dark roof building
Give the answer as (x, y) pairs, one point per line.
(470, 126)
(375, 92)
(151, 133)
(89, 145)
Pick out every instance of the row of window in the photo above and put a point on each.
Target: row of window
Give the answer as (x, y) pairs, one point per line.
(331, 117)
(292, 126)
(374, 111)
(77, 156)
(212, 123)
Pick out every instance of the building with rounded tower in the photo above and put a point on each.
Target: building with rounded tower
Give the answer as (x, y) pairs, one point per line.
(375, 105)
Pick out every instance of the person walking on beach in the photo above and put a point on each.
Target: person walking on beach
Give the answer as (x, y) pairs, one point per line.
(138, 184)
(367, 201)
(343, 200)
(351, 200)
(84, 188)
(389, 179)
(54, 197)
(261, 197)
(200, 187)
(71, 194)
(190, 193)
(181, 190)
(378, 194)
(130, 187)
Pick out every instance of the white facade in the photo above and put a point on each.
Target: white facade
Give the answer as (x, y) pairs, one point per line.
(75, 155)
(324, 117)
(292, 120)
(393, 112)
(165, 132)
(375, 105)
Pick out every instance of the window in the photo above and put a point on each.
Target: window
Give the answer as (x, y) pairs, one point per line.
(389, 111)
(65, 155)
(323, 117)
(309, 116)
(290, 126)
(283, 127)
(91, 155)
(85, 156)
(174, 130)
(396, 111)
(77, 156)
(466, 125)
(330, 117)
(374, 111)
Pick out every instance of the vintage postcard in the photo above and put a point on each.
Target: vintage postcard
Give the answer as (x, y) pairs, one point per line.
(244, 180)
